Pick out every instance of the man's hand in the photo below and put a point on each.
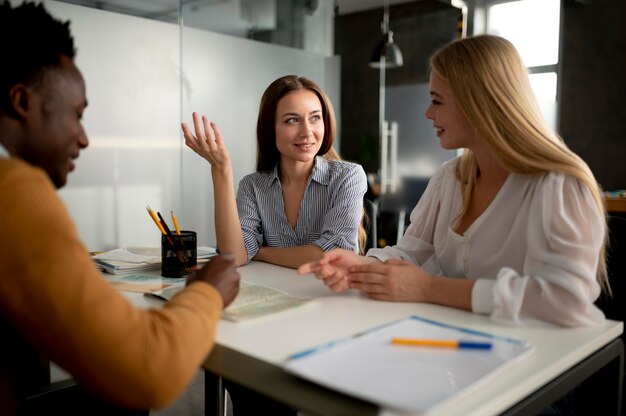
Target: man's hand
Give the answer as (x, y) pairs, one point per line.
(222, 274)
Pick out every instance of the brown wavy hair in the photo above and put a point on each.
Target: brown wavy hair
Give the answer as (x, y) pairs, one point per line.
(267, 153)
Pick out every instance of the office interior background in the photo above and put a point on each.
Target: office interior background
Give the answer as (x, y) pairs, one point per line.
(149, 64)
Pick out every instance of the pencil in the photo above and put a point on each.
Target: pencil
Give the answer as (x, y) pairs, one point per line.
(177, 228)
(155, 219)
(175, 221)
(165, 231)
(180, 254)
(459, 344)
(164, 224)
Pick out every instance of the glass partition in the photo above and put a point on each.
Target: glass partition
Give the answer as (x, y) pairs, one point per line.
(144, 76)
(131, 69)
(224, 78)
(301, 24)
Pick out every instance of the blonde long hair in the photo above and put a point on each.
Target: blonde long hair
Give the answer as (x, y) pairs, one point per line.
(492, 88)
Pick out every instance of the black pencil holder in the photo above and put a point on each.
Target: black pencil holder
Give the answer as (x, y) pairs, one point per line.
(178, 254)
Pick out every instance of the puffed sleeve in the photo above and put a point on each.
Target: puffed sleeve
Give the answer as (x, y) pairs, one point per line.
(416, 245)
(558, 281)
(342, 220)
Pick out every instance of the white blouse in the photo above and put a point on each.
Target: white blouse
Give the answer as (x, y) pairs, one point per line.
(534, 251)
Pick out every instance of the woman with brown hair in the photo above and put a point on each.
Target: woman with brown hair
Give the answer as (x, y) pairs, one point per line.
(302, 200)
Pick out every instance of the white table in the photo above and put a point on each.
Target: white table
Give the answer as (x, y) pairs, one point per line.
(251, 353)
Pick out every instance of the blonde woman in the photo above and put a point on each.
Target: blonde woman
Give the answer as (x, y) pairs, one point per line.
(514, 228)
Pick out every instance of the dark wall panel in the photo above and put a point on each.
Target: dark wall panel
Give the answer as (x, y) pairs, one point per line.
(419, 28)
(592, 115)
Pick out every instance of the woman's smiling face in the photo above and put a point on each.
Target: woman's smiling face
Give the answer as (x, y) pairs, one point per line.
(451, 125)
(299, 126)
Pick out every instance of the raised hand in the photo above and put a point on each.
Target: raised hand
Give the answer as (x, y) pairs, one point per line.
(207, 142)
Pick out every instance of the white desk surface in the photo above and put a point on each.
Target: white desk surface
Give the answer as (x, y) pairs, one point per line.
(331, 316)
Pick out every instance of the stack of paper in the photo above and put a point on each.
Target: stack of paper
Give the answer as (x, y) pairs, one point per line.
(205, 253)
(137, 259)
(129, 260)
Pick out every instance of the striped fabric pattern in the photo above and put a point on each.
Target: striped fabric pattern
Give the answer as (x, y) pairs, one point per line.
(330, 212)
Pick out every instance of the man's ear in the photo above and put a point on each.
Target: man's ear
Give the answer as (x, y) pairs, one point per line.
(20, 96)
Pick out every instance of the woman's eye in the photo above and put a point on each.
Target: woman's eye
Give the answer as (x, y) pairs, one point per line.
(291, 120)
(316, 118)
(435, 102)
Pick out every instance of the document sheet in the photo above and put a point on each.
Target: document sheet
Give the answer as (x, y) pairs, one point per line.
(413, 379)
(252, 301)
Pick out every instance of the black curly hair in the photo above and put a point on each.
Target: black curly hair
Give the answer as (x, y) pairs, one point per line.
(31, 41)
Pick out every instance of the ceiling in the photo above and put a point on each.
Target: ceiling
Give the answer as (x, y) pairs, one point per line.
(351, 6)
(153, 8)
(239, 18)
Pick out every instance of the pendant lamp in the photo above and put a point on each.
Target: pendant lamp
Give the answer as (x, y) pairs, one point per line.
(386, 52)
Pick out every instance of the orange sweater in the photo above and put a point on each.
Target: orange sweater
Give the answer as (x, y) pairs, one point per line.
(54, 297)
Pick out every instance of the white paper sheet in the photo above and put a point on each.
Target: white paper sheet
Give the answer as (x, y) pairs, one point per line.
(253, 301)
(406, 378)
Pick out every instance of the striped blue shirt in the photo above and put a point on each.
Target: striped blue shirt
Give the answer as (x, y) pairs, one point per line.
(330, 211)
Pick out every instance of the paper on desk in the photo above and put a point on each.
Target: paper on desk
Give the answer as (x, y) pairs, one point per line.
(150, 255)
(131, 255)
(139, 287)
(145, 283)
(406, 378)
(253, 301)
(206, 252)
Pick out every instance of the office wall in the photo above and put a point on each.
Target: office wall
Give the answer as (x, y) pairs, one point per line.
(592, 114)
(143, 77)
(419, 28)
(224, 77)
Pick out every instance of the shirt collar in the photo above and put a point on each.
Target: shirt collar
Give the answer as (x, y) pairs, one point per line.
(321, 170)
(320, 173)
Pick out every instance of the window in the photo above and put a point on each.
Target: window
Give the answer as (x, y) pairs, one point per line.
(533, 27)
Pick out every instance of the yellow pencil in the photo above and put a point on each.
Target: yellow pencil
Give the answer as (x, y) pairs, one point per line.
(156, 220)
(179, 254)
(175, 221)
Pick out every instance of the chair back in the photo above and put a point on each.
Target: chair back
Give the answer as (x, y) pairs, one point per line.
(371, 223)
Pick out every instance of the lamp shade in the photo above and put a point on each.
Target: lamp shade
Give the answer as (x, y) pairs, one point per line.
(389, 50)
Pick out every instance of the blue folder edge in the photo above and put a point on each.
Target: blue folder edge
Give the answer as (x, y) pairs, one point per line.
(332, 344)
